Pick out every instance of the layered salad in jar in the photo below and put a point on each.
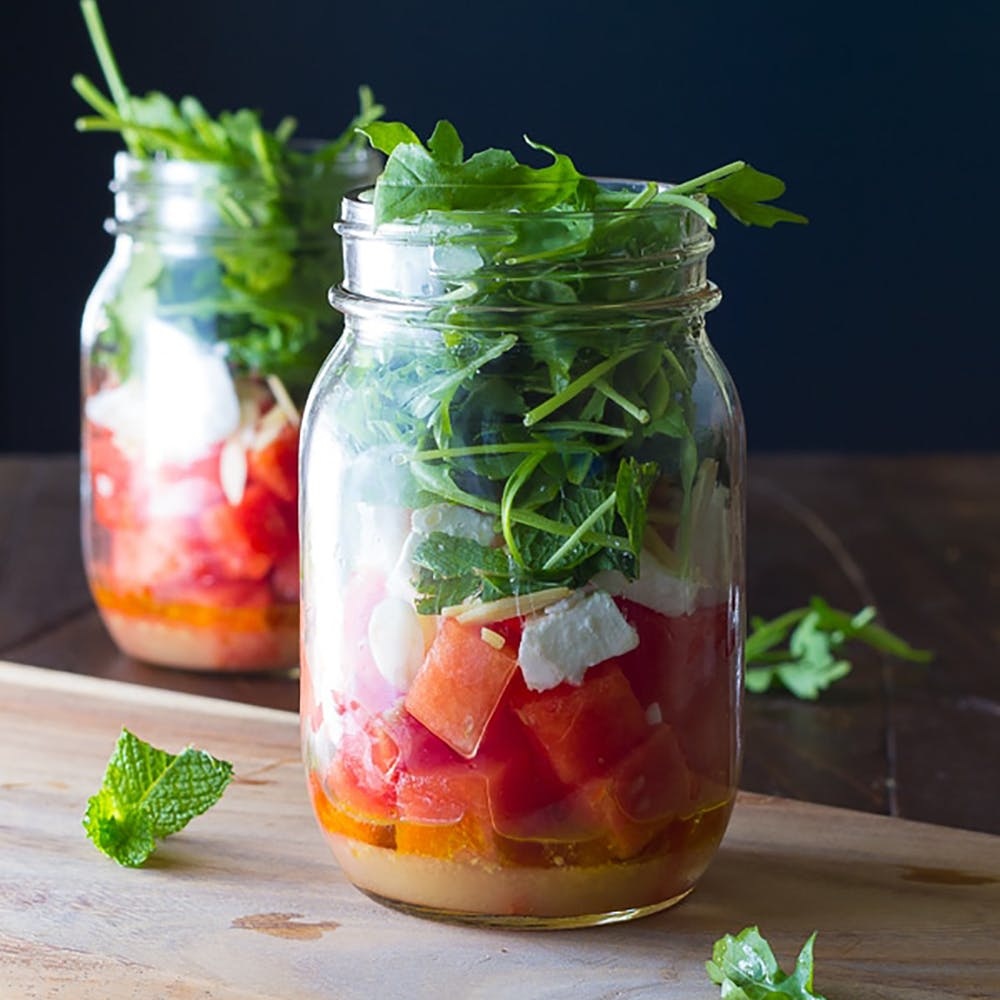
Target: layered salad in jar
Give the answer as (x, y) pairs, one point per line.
(200, 341)
(522, 543)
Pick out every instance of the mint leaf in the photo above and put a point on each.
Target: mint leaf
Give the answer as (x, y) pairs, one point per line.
(147, 794)
(745, 968)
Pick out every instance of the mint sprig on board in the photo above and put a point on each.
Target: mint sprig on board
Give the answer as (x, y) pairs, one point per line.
(148, 794)
(744, 967)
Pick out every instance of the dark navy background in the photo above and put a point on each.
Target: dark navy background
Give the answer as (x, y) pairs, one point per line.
(874, 328)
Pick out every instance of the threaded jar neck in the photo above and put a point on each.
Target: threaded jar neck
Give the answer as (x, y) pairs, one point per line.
(166, 198)
(557, 263)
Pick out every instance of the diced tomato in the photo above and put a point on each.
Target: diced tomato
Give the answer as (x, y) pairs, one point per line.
(459, 685)
(584, 730)
(275, 466)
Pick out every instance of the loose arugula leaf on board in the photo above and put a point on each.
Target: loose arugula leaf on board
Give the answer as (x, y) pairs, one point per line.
(148, 794)
(745, 968)
(810, 663)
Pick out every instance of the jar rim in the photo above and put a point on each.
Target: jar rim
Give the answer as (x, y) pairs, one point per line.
(358, 210)
(180, 172)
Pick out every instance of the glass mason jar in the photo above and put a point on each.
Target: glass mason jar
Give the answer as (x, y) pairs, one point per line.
(522, 526)
(199, 343)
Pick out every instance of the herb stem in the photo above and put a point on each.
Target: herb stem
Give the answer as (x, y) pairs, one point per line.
(469, 451)
(577, 386)
(442, 486)
(585, 427)
(109, 67)
(582, 528)
(644, 197)
(93, 96)
(511, 488)
(702, 179)
(606, 389)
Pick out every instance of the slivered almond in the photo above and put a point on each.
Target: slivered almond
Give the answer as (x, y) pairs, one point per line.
(269, 428)
(491, 638)
(505, 607)
(233, 470)
(283, 400)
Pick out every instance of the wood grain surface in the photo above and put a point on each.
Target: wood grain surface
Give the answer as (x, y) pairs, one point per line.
(247, 902)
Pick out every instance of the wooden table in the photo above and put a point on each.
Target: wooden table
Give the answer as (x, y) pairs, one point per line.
(917, 536)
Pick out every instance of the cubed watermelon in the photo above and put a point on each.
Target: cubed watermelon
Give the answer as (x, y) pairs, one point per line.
(584, 730)
(459, 685)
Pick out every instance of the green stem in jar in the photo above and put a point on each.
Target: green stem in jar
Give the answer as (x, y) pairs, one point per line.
(577, 386)
(438, 482)
(511, 488)
(608, 390)
(581, 530)
(109, 67)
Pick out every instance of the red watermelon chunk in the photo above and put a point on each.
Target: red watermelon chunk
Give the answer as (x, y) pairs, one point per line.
(584, 730)
(459, 685)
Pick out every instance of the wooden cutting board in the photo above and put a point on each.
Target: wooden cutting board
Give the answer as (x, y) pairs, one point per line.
(248, 903)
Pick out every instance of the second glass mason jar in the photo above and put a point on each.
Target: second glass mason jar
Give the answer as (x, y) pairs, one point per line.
(522, 529)
(200, 341)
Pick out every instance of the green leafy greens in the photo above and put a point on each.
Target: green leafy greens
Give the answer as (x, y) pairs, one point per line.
(812, 659)
(745, 968)
(527, 393)
(275, 203)
(435, 177)
(531, 402)
(148, 794)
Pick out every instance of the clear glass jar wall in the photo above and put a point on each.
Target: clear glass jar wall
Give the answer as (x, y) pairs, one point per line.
(199, 343)
(522, 526)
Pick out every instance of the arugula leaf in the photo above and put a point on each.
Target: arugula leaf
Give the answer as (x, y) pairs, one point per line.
(419, 178)
(744, 193)
(530, 398)
(746, 969)
(148, 794)
(815, 635)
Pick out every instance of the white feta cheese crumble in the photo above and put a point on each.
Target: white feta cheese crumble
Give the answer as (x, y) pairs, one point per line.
(396, 639)
(656, 587)
(568, 638)
(454, 520)
(449, 519)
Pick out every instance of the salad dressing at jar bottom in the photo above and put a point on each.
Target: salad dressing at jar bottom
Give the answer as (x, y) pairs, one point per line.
(522, 529)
